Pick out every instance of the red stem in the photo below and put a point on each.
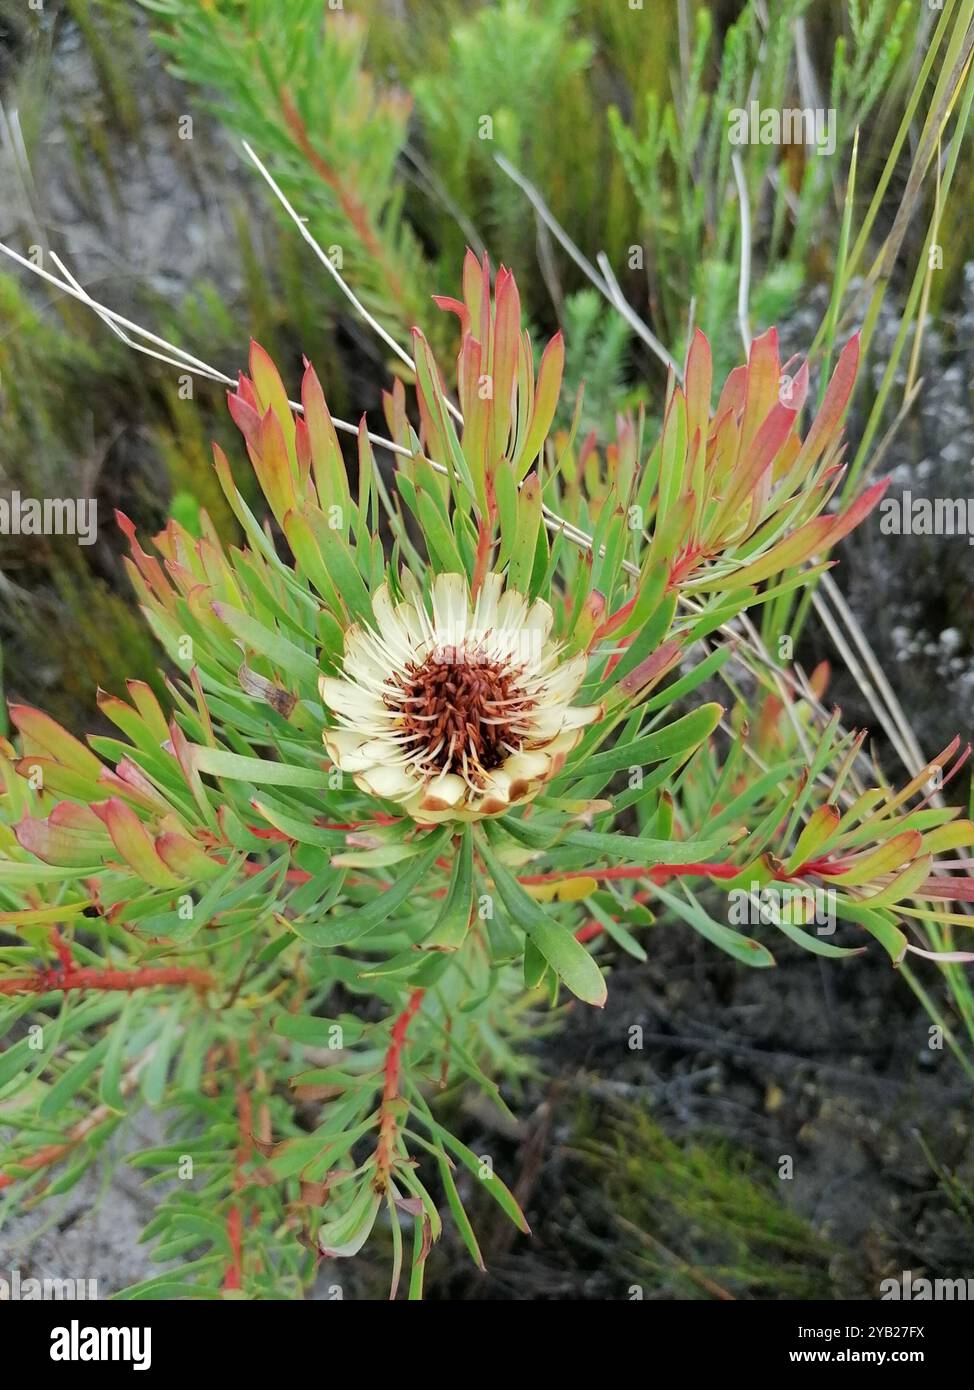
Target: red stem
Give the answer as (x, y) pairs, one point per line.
(390, 1091)
(657, 873)
(354, 210)
(233, 1279)
(87, 977)
(40, 1159)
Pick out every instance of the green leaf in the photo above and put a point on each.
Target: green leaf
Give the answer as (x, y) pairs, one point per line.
(70, 1178)
(167, 1285)
(14, 1060)
(635, 849)
(473, 1164)
(815, 944)
(71, 1081)
(679, 737)
(317, 1032)
(535, 965)
(616, 931)
(457, 1208)
(526, 542)
(567, 957)
(742, 948)
(450, 927)
(878, 924)
(304, 831)
(154, 1076)
(642, 646)
(17, 875)
(347, 1234)
(284, 654)
(110, 1089)
(383, 856)
(219, 763)
(353, 923)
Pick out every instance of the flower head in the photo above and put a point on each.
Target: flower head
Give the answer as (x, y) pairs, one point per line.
(459, 714)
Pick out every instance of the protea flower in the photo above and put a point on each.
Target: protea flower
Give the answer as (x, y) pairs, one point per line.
(458, 715)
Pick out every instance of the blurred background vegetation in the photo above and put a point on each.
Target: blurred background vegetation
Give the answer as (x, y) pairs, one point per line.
(382, 120)
(121, 130)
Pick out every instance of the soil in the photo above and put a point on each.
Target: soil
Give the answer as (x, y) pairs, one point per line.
(828, 1062)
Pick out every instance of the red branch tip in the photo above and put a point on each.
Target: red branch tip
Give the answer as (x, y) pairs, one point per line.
(390, 1091)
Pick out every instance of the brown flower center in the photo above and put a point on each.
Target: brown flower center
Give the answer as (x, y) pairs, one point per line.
(461, 712)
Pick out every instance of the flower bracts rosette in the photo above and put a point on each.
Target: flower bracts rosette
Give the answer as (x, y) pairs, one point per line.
(458, 713)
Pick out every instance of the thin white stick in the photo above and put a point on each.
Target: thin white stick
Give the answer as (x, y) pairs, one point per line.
(599, 281)
(744, 284)
(66, 288)
(861, 679)
(180, 358)
(106, 318)
(911, 752)
(325, 260)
